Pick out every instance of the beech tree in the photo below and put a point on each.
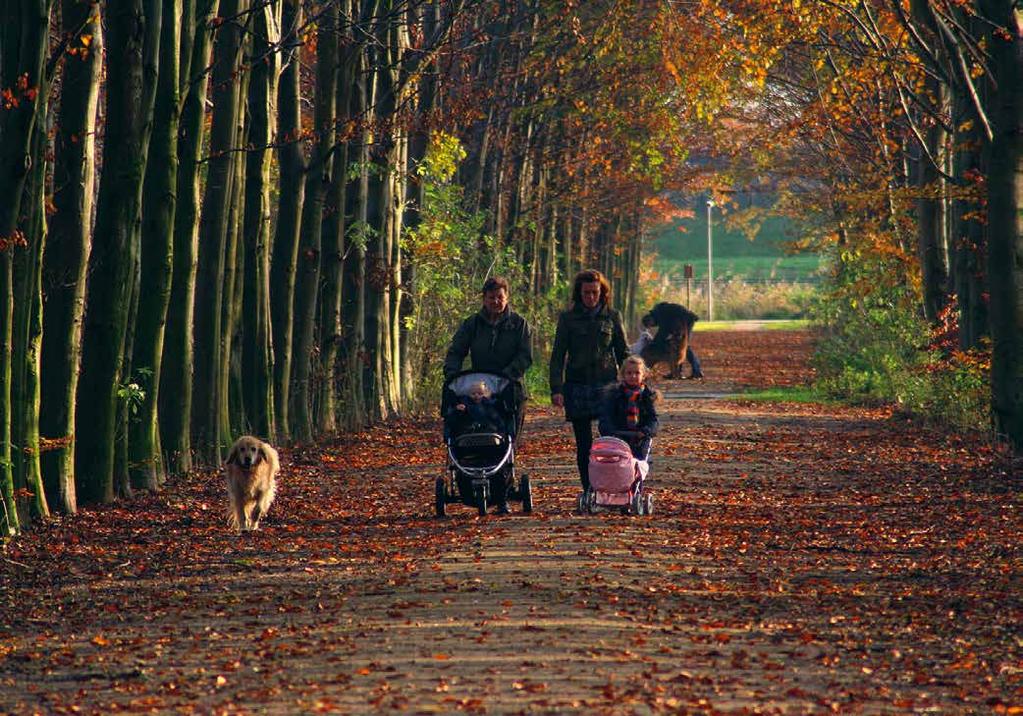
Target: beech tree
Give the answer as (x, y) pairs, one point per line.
(68, 245)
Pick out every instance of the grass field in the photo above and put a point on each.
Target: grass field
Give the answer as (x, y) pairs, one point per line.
(734, 255)
(795, 324)
(798, 268)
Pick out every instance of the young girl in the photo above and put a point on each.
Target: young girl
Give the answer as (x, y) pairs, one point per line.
(629, 411)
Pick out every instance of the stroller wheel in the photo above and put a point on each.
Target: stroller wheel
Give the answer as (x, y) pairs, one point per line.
(479, 494)
(440, 496)
(637, 503)
(648, 504)
(526, 491)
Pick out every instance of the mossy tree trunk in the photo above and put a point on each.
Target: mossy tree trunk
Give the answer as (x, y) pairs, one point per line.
(176, 377)
(132, 48)
(317, 183)
(28, 324)
(289, 213)
(332, 256)
(67, 248)
(257, 356)
(213, 237)
(353, 313)
(157, 261)
(23, 43)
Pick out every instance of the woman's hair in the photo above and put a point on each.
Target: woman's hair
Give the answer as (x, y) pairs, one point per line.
(495, 282)
(589, 276)
(633, 360)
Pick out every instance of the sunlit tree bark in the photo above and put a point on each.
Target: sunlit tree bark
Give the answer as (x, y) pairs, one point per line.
(158, 206)
(257, 357)
(176, 377)
(67, 248)
(133, 31)
(317, 183)
(28, 324)
(207, 437)
(23, 44)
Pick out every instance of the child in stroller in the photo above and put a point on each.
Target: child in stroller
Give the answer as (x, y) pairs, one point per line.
(480, 416)
(481, 410)
(619, 459)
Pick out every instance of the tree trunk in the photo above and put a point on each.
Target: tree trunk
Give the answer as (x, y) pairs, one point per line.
(28, 323)
(67, 250)
(968, 244)
(257, 355)
(23, 44)
(376, 263)
(930, 237)
(317, 182)
(158, 203)
(232, 408)
(332, 257)
(398, 174)
(133, 29)
(213, 236)
(128, 405)
(1005, 220)
(176, 376)
(415, 199)
(285, 244)
(10, 521)
(354, 289)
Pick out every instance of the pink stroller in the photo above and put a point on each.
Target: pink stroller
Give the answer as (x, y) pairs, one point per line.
(616, 479)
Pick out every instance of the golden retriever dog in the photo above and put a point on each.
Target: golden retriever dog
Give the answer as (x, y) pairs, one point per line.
(251, 469)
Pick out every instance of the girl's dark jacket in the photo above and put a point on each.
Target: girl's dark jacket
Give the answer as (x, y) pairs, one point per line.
(588, 347)
(502, 347)
(613, 418)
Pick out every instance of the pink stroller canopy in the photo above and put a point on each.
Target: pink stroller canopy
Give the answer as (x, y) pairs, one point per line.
(612, 466)
(608, 446)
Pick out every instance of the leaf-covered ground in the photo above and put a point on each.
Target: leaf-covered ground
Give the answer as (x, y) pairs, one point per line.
(802, 559)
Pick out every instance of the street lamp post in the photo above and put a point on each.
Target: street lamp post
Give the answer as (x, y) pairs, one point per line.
(710, 264)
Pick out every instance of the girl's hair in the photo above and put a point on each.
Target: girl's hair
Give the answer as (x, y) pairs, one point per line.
(589, 276)
(633, 360)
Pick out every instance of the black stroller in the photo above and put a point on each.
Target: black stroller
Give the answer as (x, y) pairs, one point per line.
(481, 447)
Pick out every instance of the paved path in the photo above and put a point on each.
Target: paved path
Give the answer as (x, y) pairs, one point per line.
(803, 559)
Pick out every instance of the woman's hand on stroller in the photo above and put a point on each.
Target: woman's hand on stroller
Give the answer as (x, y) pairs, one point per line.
(630, 435)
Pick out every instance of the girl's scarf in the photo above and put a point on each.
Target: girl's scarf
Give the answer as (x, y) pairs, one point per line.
(632, 405)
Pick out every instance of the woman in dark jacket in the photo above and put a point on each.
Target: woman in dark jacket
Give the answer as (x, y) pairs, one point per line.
(589, 345)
